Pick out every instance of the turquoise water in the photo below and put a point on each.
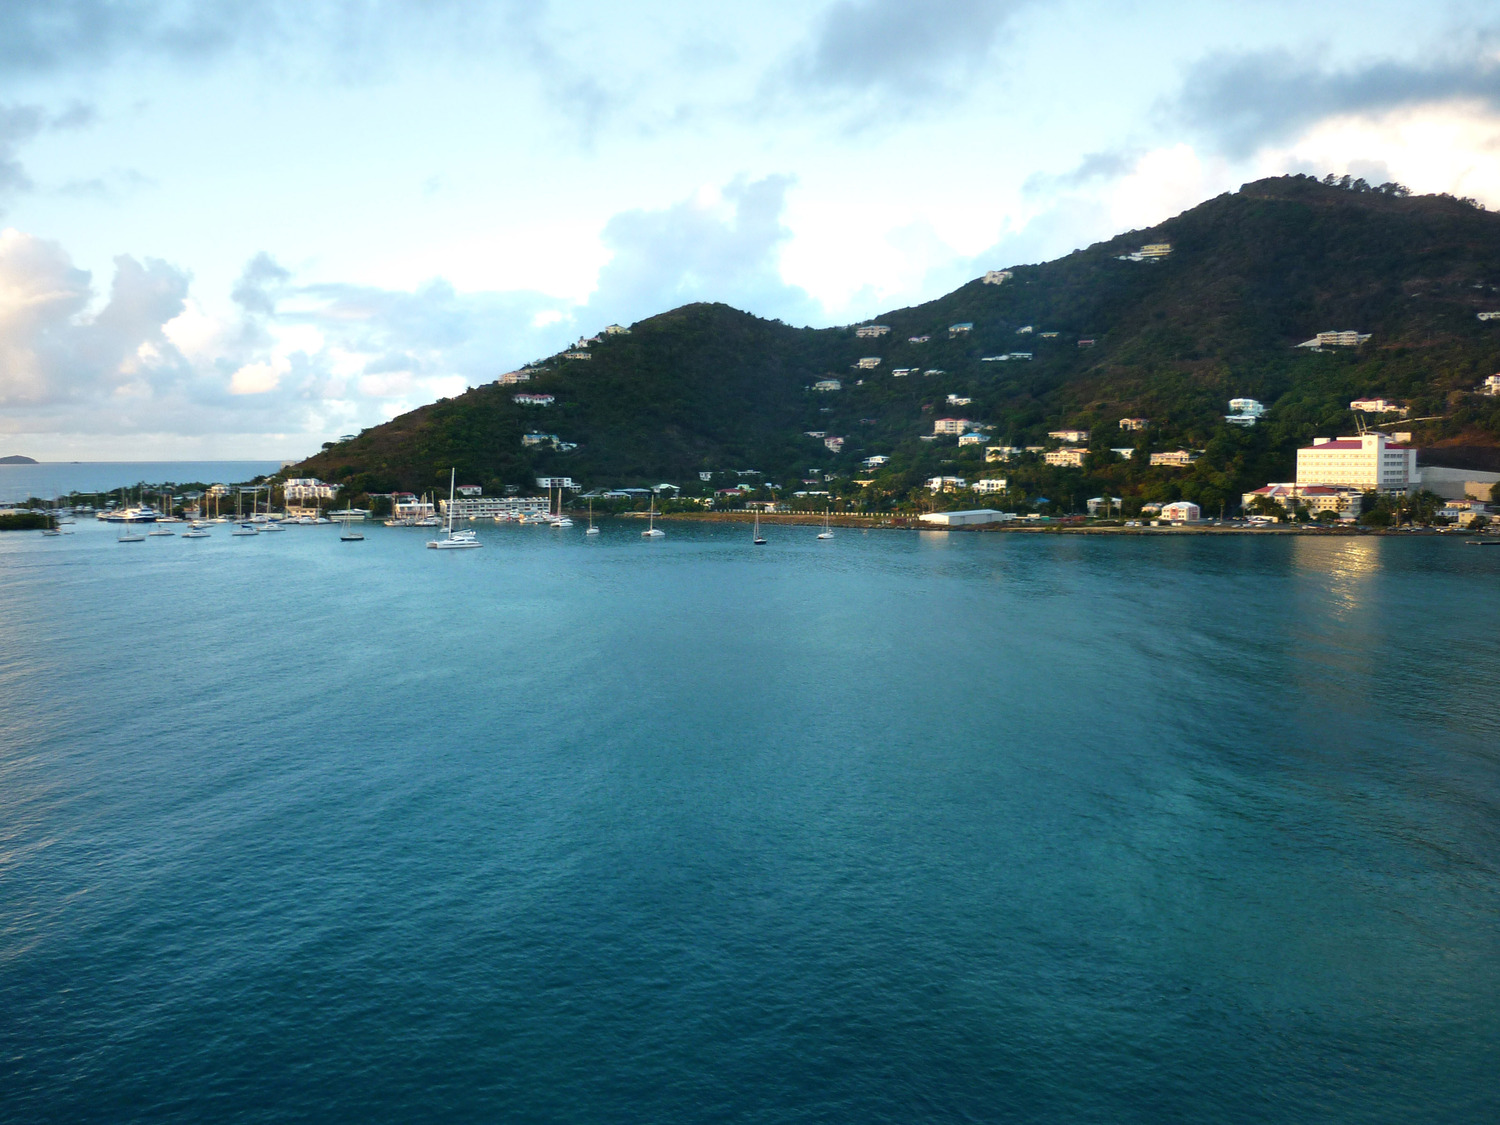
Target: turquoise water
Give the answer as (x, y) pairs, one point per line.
(954, 828)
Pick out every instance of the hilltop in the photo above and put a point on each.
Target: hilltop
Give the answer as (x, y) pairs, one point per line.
(1251, 274)
(18, 459)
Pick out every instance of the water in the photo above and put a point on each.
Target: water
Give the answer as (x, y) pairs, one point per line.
(59, 478)
(959, 828)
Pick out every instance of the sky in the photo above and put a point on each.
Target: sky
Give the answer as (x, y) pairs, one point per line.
(241, 228)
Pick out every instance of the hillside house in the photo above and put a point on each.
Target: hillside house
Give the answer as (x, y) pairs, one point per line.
(538, 439)
(819, 434)
(470, 490)
(951, 426)
(1489, 316)
(972, 439)
(1065, 458)
(828, 385)
(1246, 412)
(1174, 459)
(1490, 386)
(1124, 451)
(875, 462)
(1048, 335)
(931, 371)
(962, 328)
(1024, 330)
(1134, 424)
(1073, 436)
(945, 484)
(958, 400)
(991, 485)
(834, 444)
(1000, 453)
(1377, 406)
(1323, 340)
(1020, 355)
(997, 277)
(868, 363)
(917, 339)
(900, 372)
(1087, 342)
(533, 400)
(511, 378)
(995, 358)
(616, 330)
(871, 331)
(577, 355)
(305, 488)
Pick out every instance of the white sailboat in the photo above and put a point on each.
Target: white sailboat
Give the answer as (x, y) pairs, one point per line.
(559, 520)
(758, 541)
(827, 532)
(454, 540)
(166, 507)
(243, 528)
(349, 535)
(653, 532)
(592, 529)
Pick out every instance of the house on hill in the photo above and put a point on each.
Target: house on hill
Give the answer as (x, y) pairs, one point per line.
(1323, 340)
(1134, 424)
(951, 425)
(871, 331)
(1067, 458)
(997, 277)
(828, 385)
(961, 328)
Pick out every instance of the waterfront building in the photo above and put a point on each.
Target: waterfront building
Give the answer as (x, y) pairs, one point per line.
(1316, 498)
(406, 506)
(1105, 504)
(969, 518)
(1367, 461)
(494, 507)
(1181, 510)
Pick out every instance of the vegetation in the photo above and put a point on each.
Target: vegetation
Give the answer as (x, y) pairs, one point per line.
(706, 388)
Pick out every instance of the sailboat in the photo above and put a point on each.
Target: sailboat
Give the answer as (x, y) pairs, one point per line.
(758, 541)
(166, 508)
(243, 528)
(592, 529)
(827, 532)
(270, 524)
(559, 520)
(653, 532)
(349, 535)
(454, 540)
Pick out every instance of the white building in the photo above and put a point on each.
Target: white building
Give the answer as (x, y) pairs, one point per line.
(510, 378)
(951, 425)
(616, 330)
(406, 506)
(556, 482)
(1134, 424)
(1065, 458)
(306, 488)
(705, 476)
(1105, 504)
(875, 462)
(997, 277)
(1348, 339)
(917, 339)
(835, 444)
(533, 400)
(1074, 436)
(1000, 453)
(945, 484)
(1020, 355)
(1377, 406)
(1181, 510)
(1176, 458)
(1025, 330)
(962, 327)
(991, 485)
(959, 400)
(1343, 502)
(470, 490)
(973, 439)
(899, 372)
(1049, 335)
(490, 507)
(828, 385)
(970, 518)
(868, 363)
(931, 371)
(538, 439)
(1367, 461)
(871, 331)
(1489, 316)
(1490, 386)
(577, 355)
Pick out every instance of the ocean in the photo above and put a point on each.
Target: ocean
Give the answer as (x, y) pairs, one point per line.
(898, 827)
(49, 479)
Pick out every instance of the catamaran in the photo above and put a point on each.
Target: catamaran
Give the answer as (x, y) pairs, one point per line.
(454, 540)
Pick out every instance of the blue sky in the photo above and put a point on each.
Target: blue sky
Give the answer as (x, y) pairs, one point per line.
(240, 229)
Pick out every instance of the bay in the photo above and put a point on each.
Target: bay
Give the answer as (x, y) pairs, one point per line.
(49, 479)
(940, 827)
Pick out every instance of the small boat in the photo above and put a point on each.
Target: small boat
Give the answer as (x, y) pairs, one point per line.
(128, 536)
(454, 540)
(592, 529)
(349, 535)
(827, 532)
(246, 529)
(758, 541)
(653, 532)
(197, 531)
(1482, 542)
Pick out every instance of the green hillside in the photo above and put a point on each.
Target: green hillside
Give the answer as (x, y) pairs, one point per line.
(1251, 274)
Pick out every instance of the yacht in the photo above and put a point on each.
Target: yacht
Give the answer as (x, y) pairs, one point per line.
(198, 530)
(246, 529)
(827, 532)
(758, 541)
(592, 529)
(129, 536)
(454, 540)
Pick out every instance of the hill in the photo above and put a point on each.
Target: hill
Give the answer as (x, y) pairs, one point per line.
(1251, 274)
(18, 459)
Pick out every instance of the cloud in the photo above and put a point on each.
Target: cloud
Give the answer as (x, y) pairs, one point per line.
(22, 123)
(898, 50)
(1245, 102)
(725, 249)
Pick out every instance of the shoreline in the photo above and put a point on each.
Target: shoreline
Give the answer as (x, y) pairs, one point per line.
(911, 523)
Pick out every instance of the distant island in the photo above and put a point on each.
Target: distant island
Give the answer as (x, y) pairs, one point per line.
(17, 459)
